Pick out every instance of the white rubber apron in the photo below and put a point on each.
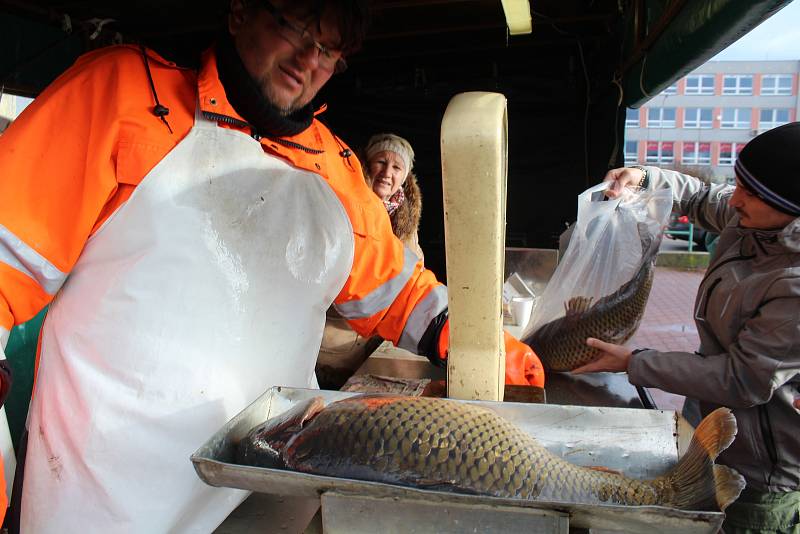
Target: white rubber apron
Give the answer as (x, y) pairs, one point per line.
(207, 287)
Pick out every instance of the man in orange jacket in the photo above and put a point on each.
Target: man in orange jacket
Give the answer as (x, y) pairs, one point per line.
(195, 226)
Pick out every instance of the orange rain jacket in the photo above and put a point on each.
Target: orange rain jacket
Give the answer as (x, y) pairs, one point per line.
(78, 151)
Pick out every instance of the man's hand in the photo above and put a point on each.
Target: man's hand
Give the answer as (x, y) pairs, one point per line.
(523, 367)
(612, 358)
(625, 176)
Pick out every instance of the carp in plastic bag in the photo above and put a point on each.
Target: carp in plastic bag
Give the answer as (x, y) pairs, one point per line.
(601, 285)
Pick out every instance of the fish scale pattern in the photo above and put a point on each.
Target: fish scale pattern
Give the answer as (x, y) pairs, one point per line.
(442, 444)
(561, 344)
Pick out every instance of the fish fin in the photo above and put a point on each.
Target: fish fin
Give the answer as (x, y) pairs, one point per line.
(698, 483)
(650, 243)
(577, 305)
(603, 469)
(728, 484)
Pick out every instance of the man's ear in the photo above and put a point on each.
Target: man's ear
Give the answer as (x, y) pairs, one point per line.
(236, 17)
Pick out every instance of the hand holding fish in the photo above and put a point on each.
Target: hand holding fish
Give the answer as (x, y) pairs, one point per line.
(625, 176)
(612, 358)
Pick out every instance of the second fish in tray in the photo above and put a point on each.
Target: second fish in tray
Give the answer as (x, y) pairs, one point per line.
(561, 343)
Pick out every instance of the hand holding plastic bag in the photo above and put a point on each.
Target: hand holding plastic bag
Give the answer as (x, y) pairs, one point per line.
(601, 284)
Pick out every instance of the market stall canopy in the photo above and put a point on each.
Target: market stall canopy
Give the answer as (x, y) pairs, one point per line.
(663, 39)
(567, 82)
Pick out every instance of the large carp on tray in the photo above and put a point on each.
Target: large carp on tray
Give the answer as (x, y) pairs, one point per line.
(447, 445)
(561, 343)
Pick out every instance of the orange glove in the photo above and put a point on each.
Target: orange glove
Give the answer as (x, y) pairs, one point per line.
(523, 367)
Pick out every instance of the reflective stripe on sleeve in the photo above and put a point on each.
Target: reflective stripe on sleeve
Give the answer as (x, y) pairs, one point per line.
(18, 255)
(421, 316)
(382, 296)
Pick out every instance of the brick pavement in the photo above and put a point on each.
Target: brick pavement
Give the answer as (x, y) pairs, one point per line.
(668, 322)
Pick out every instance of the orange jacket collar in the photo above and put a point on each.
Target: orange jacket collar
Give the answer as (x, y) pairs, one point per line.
(210, 90)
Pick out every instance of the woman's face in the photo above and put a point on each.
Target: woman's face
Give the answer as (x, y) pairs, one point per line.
(388, 172)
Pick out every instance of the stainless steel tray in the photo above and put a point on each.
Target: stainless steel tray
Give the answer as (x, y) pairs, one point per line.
(639, 443)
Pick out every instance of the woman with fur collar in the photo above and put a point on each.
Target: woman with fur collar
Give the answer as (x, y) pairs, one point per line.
(388, 171)
(389, 160)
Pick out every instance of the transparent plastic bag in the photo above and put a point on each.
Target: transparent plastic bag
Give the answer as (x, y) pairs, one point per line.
(605, 249)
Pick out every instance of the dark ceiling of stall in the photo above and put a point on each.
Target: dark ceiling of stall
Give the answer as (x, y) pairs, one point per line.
(564, 82)
(420, 54)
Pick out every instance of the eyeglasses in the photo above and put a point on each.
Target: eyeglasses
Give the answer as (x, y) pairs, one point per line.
(302, 39)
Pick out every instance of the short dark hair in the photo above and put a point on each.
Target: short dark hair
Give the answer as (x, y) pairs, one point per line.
(352, 18)
(352, 21)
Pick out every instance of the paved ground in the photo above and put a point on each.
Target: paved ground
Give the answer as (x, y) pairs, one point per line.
(667, 323)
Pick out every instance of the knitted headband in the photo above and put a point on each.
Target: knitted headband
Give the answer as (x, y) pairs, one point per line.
(769, 166)
(392, 143)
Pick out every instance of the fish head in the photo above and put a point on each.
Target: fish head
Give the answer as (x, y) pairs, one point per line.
(265, 444)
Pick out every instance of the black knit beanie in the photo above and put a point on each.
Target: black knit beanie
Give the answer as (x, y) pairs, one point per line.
(769, 166)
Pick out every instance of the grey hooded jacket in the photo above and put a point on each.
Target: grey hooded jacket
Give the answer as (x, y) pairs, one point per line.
(747, 313)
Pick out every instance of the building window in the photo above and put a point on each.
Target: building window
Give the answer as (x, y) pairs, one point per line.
(631, 152)
(728, 152)
(771, 118)
(631, 118)
(735, 118)
(660, 152)
(671, 90)
(699, 84)
(661, 118)
(737, 84)
(696, 153)
(698, 118)
(776, 84)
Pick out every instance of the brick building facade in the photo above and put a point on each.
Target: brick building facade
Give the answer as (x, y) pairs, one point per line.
(706, 117)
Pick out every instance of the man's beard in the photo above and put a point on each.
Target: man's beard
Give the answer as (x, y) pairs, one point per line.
(251, 98)
(265, 82)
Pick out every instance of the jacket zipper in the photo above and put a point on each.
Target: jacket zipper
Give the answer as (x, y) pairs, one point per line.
(769, 439)
(298, 146)
(210, 115)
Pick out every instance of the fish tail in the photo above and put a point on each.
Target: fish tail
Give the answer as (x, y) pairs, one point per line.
(697, 483)
(650, 243)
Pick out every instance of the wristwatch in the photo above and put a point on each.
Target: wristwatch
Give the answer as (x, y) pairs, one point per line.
(644, 181)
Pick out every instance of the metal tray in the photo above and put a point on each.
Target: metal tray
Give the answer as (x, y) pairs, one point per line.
(638, 443)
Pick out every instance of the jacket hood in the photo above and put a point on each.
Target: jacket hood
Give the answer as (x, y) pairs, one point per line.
(786, 239)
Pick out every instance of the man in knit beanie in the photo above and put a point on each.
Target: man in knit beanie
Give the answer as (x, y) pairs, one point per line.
(747, 314)
(769, 168)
